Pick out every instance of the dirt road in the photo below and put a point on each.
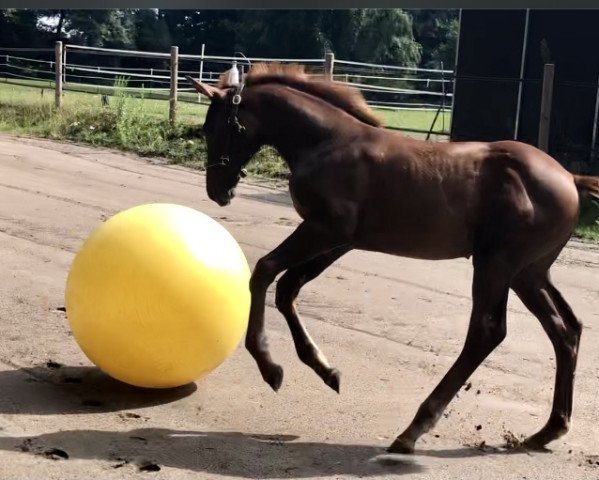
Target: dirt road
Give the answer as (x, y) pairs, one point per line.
(393, 327)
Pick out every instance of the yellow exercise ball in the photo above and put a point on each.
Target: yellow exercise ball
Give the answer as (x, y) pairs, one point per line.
(158, 296)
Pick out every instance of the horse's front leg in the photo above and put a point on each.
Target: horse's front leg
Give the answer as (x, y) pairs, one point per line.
(311, 239)
(288, 289)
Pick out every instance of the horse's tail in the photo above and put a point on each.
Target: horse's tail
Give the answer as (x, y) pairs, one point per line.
(587, 186)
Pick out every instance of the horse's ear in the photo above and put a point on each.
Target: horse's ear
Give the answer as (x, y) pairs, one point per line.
(208, 90)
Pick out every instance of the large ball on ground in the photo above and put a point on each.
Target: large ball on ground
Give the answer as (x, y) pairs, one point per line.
(158, 295)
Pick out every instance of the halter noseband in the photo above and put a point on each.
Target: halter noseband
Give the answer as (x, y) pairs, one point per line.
(234, 124)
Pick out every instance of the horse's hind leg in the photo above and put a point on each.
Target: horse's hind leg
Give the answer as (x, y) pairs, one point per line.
(288, 288)
(536, 291)
(486, 331)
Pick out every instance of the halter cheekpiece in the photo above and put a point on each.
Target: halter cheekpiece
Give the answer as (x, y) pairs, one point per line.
(235, 127)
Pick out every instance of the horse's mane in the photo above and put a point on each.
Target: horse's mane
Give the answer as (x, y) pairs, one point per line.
(346, 98)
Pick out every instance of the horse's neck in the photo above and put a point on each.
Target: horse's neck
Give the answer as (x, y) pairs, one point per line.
(295, 122)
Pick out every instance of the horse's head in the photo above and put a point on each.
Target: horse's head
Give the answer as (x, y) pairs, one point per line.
(231, 137)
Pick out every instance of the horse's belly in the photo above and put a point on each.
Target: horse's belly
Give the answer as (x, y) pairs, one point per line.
(417, 249)
(423, 240)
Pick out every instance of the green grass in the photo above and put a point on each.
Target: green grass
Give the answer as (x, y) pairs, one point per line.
(154, 101)
(128, 124)
(156, 104)
(415, 119)
(140, 125)
(588, 225)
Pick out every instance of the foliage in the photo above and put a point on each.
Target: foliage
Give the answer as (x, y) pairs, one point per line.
(19, 28)
(152, 32)
(385, 36)
(588, 226)
(101, 28)
(285, 33)
(437, 32)
(393, 36)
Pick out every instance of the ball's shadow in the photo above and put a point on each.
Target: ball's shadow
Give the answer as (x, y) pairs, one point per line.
(54, 389)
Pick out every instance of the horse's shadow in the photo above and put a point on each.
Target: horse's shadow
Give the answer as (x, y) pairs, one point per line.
(225, 453)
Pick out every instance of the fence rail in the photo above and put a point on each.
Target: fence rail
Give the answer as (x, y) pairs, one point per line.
(161, 75)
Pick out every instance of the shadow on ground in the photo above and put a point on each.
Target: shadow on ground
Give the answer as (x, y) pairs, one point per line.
(57, 389)
(275, 196)
(224, 453)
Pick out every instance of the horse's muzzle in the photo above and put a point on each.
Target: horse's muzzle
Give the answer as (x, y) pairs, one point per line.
(222, 199)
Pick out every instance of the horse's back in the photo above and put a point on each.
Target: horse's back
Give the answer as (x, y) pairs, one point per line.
(441, 200)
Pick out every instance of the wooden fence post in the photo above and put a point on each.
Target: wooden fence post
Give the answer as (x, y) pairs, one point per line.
(546, 99)
(329, 64)
(174, 79)
(58, 74)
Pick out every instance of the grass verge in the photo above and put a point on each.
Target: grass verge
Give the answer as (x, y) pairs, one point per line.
(130, 124)
(588, 224)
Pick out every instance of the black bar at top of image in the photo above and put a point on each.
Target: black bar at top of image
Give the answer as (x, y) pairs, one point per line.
(301, 4)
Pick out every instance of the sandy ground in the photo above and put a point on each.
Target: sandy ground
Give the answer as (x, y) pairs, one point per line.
(392, 326)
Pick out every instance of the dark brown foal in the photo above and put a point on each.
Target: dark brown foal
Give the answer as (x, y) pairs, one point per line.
(356, 185)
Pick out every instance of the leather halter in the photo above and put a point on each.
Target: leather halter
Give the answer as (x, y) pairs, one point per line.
(234, 127)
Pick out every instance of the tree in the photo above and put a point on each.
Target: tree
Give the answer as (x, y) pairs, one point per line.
(437, 32)
(96, 28)
(394, 36)
(386, 36)
(101, 28)
(283, 33)
(217, 29)
(342, 28)
(52, 22)
(19, 28)
(370, 35)
(151, 31)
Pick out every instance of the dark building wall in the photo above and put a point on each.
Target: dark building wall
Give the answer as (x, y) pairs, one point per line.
(491, 46)
(568, 39)
(488, 65)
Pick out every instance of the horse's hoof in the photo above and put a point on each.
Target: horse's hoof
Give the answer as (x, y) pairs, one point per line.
(274, 377)
(401, 446)
(535, 443)
(333, 379)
